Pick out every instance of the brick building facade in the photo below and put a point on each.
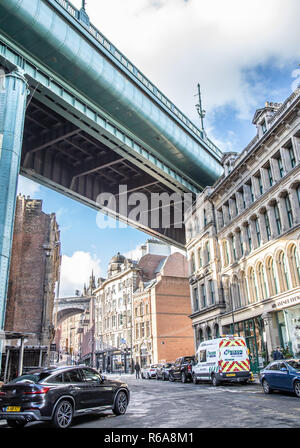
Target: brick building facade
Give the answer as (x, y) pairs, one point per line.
(34, 272)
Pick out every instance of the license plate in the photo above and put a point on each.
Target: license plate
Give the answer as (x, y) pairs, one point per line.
(13, 409)
(231, 374)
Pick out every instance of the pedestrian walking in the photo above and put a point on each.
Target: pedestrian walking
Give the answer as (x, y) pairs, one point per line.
(277, 354)
(137, 369)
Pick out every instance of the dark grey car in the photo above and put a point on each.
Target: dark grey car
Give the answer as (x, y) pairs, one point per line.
(59, 394)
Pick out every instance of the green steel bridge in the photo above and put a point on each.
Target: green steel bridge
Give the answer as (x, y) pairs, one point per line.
(77, 116)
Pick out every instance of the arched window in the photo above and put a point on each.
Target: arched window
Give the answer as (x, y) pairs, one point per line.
(236, 293)
(262, 284)
(208, 333)
(252, 285)
(216, 331)
(243, 289)
(283, 272)
(271, 276)
(201, 339)
(294, 265)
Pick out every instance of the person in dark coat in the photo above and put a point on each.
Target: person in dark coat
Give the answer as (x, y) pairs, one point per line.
(278, 354)
(137, 369)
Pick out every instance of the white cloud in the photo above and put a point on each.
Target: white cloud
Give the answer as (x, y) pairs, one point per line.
(179, 43)
(28, 187)
(76, 271)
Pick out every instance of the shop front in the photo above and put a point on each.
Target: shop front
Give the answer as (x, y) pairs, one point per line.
(288, 325)
(114, 361)
(253, 332)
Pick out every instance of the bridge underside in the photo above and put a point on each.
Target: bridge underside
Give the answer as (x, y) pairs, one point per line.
(63, 153)
(64, 314)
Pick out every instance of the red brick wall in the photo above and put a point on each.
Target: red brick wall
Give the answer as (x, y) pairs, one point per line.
(25, 301)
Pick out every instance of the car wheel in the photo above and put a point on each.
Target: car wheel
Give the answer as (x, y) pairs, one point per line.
(266, 387)
(163, 377)
(148, 377)
(183, 377)
(157, 377)
(171, 378)
(215, 381)
(16, 423)
(143, 377)
(195, 380)
(121, 403)
(63, 415)
(297, 388)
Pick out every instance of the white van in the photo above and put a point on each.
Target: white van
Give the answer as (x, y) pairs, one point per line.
(222, 359)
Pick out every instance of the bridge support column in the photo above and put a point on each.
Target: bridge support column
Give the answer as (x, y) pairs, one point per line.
(13, 96)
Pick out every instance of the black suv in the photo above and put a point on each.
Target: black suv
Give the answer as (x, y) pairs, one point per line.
(58, 394)
(182, 369)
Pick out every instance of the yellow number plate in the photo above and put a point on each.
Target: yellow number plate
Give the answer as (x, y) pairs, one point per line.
(13, 409)
(230, 374)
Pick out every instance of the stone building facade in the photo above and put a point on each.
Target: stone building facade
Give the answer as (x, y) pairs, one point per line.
(243, 240)
(161, 309)
(34, 272)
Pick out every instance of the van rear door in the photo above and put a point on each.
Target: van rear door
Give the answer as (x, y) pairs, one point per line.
(234, 356)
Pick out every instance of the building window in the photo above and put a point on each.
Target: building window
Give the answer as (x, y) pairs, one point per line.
(280, 166)
(193, 264)
(241, 242)
(225, 254)
(289, 211)
(204, 218)
(196, 299)
(277, 219)
(267, 224)
(298, 194)
(264, 127)
(252, 286)
(292, 156)
(270, 175)
(294, 265)
(203, 295)
(251, 191)
(242, 193)
(212, 292)
(233, 248)
(208, 252)
(272, 280)
(221, 214)
(262, 281)
(249, 237)
(257, 228)
(260, 185)
(200, 257)
(283, 272)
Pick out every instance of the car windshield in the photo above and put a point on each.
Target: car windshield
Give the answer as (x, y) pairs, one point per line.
(295, 363)
(167, 365)
(35, 377)
(189, 359)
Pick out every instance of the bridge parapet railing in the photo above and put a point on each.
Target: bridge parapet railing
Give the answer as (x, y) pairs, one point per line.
(142, 78)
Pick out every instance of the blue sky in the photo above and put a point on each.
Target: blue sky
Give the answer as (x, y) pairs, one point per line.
(242, 53)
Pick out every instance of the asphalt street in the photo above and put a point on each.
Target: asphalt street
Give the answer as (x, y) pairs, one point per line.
(157, 404)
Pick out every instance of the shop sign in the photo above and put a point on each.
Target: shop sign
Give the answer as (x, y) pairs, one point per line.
(285, 303)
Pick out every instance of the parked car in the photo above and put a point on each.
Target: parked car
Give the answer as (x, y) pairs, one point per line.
(162, 371)
(281, 375)
(149, 372)
(182, 369)
(222, 359)
(59, 394)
